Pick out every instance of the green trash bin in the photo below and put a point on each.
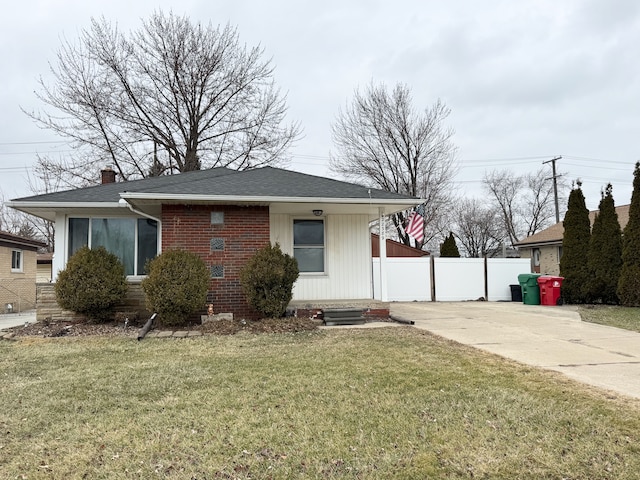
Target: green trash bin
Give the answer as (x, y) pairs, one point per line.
(530, 288)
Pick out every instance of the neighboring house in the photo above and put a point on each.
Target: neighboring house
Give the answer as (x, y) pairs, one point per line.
(225, 216)
(17, 272)
(44, 261)
(545, 247)
(395, 249)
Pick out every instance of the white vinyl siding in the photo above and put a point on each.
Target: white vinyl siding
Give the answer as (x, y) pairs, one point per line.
(347, 268)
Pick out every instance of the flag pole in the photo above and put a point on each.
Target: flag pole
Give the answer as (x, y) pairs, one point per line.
(384, 295)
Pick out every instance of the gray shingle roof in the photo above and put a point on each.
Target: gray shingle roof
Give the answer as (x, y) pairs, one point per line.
(555, 233)
(110, 192)
(261, 182)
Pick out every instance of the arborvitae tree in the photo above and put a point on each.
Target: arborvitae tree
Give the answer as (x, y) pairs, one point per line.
(575, 249)
(448, 248)
(629, 284)
(605, 252)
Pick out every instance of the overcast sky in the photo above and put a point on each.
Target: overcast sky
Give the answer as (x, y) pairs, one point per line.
(526, 80)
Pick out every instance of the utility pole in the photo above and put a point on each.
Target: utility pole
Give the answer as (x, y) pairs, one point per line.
(555, 185)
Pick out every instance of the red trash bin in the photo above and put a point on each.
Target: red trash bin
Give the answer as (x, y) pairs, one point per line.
(550, 287)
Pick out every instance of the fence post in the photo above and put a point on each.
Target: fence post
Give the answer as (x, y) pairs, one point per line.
(433, 278)
(486, 280)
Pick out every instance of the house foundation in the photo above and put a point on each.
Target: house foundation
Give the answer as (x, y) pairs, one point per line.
(371, 309)
(47, 307)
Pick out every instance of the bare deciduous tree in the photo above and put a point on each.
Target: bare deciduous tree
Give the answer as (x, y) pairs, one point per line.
(383, 142)
(525, 202)
(478, 228)
(171, 97)
(29, 226)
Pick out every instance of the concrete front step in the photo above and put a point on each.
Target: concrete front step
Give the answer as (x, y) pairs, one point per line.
(343, 316)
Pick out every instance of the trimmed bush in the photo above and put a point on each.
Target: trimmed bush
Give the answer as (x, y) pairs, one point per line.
(176, 286)
(267, 281)
(92, 283)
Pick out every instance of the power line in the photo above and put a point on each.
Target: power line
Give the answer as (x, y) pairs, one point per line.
(35, 153)
(599, 166)
(32, 143)
(589, 159)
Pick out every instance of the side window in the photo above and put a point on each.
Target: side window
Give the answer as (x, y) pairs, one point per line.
(16, 260)
(536, 257)
(559, 253)
(308, 245)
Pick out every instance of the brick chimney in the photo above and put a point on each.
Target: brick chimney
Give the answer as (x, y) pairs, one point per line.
(108, 175)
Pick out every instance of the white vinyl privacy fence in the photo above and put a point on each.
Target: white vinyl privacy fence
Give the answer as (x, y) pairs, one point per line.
(449, 279)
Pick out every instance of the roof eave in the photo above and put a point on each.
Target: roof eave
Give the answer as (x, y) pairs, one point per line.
(266, 199)
(47, 210)
(546, 243)
(387, 206)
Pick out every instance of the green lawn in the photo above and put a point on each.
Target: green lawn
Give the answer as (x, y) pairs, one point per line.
(614, 316)
(377, 403)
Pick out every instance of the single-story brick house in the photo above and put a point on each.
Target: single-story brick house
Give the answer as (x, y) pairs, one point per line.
(225, 216)
(17, 272)
(545, 247)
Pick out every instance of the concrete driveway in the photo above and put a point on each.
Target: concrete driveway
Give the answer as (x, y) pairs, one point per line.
(553, 338)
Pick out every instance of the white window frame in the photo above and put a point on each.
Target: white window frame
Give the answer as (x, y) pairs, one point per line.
(19, 255)
(136, 275)
(324, 245)
(536, 254)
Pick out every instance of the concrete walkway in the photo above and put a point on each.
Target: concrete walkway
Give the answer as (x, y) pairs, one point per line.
(8, 320)
(552, 338)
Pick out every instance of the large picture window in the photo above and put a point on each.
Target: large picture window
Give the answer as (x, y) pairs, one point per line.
(308, 245)
(133, 241)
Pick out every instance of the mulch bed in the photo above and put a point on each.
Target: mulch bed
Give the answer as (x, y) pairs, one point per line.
(219, 327)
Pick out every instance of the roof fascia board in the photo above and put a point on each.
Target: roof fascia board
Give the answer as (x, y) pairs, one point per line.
(547, 243)
(270, 199)
(63, 205)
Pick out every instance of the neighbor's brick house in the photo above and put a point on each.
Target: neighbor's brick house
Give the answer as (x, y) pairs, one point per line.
(545, 247)
(225, 216)
(18, 272)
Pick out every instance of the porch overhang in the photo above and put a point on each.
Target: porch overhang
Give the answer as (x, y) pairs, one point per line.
(48, 210)
(150, 204)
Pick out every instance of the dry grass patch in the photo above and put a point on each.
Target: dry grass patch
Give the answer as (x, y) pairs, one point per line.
(613, 316)
(375, 403)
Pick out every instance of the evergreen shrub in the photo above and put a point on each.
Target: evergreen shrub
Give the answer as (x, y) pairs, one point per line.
(92, 283)
(605, 252)
(448, 248)
(629, 283)
(176, 286)
(267, 280)
(575, 249)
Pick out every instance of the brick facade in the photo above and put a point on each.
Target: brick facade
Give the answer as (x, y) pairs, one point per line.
(224, 247)
(17, 288)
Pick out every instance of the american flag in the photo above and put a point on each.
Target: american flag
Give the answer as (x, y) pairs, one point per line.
(415, 224)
